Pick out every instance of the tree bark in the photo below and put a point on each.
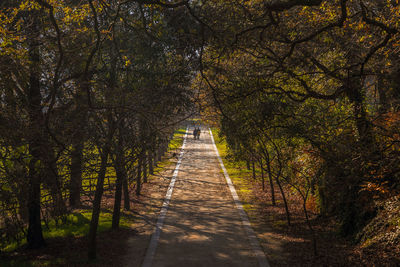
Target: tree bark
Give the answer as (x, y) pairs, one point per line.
(150, 162)
(139, 176)
(271, 182)
(155, 157)
(78, 142)
(121, 177)
(34, 236)
(262, 174)
(125, 188)
(75, 184)
(160, 152)
(118, 193)
(50, 177)
(363, 125)
(97, 201)
(253, 168)
(144, 160)
(284, 200)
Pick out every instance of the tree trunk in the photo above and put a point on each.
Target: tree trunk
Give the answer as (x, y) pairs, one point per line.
(271, 182)
(155, 157)
(78, 141)
(150, 162)
(144, 160)
(362, 123)
(121, 177)
(165, 147)
(50, 178)
(75, 184)
(125, 188)
(118, 193)
(248, 164)
(97, 202)
(160, 152)
(139, 176)
(23, 200)
(310, 227)
(253, 168)
(262, 174)
(34, 236)
(284, 200)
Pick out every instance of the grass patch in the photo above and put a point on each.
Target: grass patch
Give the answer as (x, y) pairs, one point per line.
(75, 225)
(177, 139)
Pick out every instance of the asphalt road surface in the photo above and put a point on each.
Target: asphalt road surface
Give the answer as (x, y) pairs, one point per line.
(202, 226)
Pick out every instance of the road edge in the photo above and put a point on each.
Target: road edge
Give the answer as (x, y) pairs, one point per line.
(255, 244)
(151, 250)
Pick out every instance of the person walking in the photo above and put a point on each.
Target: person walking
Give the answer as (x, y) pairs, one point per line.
(198, 133)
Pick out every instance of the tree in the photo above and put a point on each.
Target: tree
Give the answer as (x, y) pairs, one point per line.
(316, 61)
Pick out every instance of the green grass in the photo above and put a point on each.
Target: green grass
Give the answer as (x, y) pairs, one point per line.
(76, 225)
(177, 140)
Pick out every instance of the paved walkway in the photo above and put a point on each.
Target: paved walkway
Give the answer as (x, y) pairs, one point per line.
(202, 226)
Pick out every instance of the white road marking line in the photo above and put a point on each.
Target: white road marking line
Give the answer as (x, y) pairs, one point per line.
(262, 260)
(151, 250)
